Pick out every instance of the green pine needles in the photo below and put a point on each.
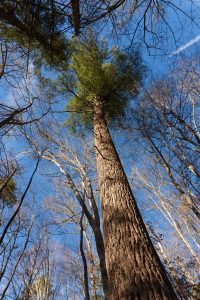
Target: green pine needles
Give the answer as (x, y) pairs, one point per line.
(7, 191)
(96, 70)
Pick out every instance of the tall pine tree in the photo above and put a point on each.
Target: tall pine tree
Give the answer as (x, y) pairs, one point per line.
(104, 82)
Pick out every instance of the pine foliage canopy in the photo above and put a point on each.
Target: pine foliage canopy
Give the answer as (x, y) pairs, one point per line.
(96, 70)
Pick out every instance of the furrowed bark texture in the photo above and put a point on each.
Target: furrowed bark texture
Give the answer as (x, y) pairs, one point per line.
(133, 266)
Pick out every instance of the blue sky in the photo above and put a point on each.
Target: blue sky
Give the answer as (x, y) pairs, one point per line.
(188, 38)
(187, 41)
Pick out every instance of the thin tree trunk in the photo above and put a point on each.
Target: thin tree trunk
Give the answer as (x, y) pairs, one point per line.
(91, 267)
(94, 223)
(134, 268)
(85, 268)
(76, 16)
(170, 265)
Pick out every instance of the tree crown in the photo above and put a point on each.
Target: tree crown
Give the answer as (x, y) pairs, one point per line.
(96, 70)
(35, 26)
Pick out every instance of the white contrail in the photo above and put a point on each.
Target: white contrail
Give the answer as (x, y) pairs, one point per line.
(190, 43)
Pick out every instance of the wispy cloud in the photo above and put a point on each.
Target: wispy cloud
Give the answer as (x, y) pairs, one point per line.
(188, 44)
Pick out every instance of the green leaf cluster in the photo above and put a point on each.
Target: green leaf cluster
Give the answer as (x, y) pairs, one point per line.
(96, 70)
(35, 27)
(8, 189)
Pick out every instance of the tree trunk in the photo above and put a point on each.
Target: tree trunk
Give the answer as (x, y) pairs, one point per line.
(91, 267)
(76, 16)
(85, 268)
(133, 266)
(94, 223)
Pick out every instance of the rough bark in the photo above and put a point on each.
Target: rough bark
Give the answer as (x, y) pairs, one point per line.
(133, 266)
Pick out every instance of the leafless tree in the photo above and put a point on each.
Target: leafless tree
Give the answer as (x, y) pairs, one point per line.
(168, 119)
(148, 19)
(76, 170)
(15, 232)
